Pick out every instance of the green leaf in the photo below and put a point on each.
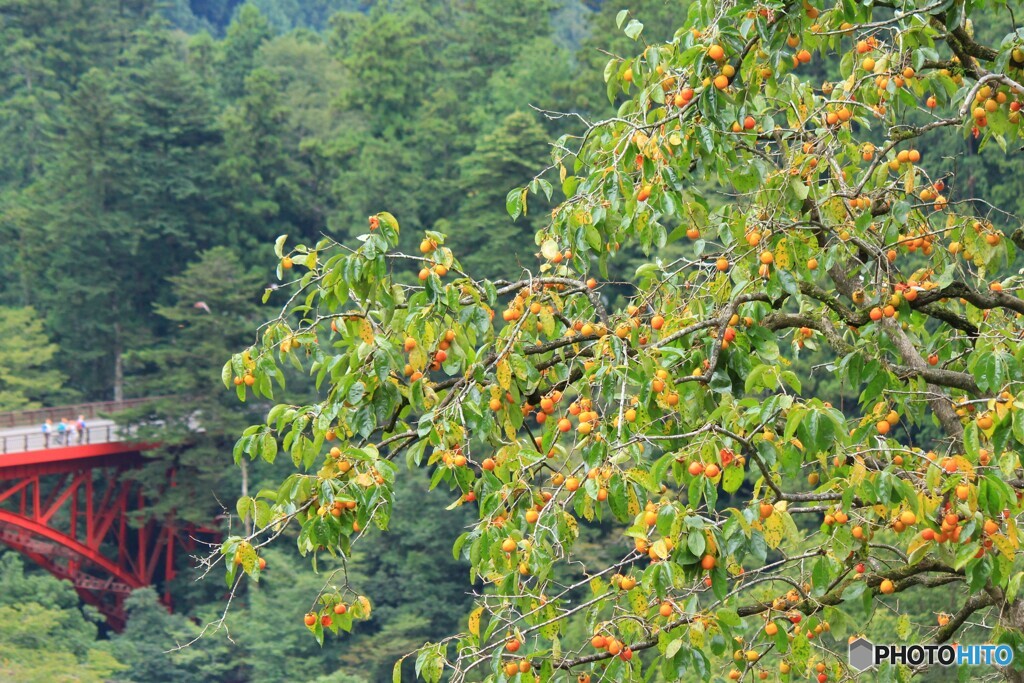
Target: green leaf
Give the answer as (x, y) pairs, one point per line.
(732, 478)
(820, 576)
(1013, 586)
(268, 447)
(432, 669)
(263, 514)
(799, 188)
(617, 498)
(633, 29)
(244, 507)
(514, 203)
(992, 370)
(1018, 426)
(903, 627)
(696, 542)
(801, 651)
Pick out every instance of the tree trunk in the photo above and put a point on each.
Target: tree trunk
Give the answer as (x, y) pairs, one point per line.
(118, 365)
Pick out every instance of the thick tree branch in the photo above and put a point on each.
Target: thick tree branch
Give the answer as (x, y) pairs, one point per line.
(979, 299)
(939, 403)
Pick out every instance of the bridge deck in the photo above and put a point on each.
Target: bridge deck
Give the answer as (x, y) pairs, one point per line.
(69, 458)
(31, 438)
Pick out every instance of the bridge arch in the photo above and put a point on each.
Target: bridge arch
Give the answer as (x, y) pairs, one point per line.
(70, 510)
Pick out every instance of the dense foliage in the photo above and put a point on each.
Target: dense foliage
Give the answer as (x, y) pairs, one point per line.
(757, 521)
(153, 153)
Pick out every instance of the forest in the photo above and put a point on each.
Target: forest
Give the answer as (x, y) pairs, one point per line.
(152, 153)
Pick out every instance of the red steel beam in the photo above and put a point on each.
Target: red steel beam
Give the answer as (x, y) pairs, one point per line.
(60, 551)
(85, 552)
(4, 495)
(71, 458)
(58, 497)
(108, 511)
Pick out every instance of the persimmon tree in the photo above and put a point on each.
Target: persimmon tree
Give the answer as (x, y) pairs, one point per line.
(756, 524)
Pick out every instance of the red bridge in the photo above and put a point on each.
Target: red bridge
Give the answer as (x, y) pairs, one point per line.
(68, 504)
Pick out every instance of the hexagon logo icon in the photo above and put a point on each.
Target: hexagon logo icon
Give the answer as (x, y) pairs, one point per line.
(862, 654)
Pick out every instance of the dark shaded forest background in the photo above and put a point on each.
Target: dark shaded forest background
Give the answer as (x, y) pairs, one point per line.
(151, 152)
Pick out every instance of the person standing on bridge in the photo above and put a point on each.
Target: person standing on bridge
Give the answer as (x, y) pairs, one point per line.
(47, 430)
(80, 425)
(72, 432)
(62, 431)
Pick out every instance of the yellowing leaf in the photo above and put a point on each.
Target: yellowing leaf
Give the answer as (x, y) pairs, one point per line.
(632, 503)
(510, 430)
(418, 358)
(364, 603)
(1004, 545)
(550, 628)
(428, 335)
(504, 373)
(588, 508)
(386, 217)
(547, 322)
(474, 621)
(366, 331)
(696, 634)
(742, 521)
(549, 249)
(660, 548)
(574, 526)
(245, 555)
(637, 601)
(710, 546)
(917, 549)
(643, 477)
(773, 531)
(782, 259)
(857, 473)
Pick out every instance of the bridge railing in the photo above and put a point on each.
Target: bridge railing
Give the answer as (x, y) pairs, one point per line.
(37, 441)
(37, 416)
